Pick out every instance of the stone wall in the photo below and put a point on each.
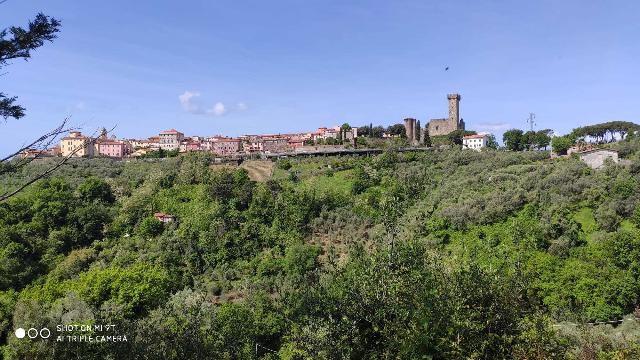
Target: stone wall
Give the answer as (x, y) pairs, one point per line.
(410, 129)
(596, 158)
(439, 127)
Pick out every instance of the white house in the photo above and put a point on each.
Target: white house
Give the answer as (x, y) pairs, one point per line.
(475, 142)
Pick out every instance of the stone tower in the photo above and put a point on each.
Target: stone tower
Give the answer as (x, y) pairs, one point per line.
(410, 128)
(439, 127)
(454, 109)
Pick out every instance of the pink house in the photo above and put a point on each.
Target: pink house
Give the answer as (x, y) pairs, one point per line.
(190, 145)
(111, 148)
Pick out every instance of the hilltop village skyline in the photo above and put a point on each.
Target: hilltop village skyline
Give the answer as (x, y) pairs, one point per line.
(77, 144)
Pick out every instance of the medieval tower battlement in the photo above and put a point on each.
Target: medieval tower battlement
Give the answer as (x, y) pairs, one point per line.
(445, 126)
(454, 107)
(436, 127)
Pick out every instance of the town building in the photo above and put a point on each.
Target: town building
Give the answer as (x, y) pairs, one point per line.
(350, 135)
(225, 146)
(275, 144)
(34, 153)
(475, 142)
(170, 139)
(439, 127)
(55, 151)
(252, 144)
(325, 133)
(190, 145)
(296, 142)
(76, 145)
(111, 148)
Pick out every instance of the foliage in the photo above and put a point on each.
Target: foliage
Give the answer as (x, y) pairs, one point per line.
(492, 143)
(514, 139)
(397, 130)
(599, 132)
(442, 254)
(560, 144)
(20, 45)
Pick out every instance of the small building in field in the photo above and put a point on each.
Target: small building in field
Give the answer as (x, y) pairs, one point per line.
(596, 158)
(165, 218)
(475, 142)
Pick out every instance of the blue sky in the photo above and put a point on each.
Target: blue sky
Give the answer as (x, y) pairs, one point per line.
(234, 67)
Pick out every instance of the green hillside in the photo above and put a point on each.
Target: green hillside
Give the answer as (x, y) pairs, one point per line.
(445, 254)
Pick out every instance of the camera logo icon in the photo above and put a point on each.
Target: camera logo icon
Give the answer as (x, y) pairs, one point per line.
(33, 333)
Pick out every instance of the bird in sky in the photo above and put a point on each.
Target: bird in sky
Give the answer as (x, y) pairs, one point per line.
(446, 68)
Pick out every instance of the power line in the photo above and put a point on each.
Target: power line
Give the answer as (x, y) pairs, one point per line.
(531, 120)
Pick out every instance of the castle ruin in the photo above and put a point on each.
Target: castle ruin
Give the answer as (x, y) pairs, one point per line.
(413, 130)
(445, 126)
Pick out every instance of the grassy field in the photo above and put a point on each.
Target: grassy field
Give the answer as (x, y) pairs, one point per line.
(340, 182)
(259, 170)
(585, 217)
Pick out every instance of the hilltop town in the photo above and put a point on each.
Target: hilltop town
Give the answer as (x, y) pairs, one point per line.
(77, 144)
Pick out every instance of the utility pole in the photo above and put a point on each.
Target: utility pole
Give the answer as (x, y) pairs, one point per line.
(531, 120)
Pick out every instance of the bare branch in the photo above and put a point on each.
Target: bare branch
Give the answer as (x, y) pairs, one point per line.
(93, 138)
(55, 132)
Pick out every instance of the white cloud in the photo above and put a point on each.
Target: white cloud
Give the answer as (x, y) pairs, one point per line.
(191, 102)
(218, 109)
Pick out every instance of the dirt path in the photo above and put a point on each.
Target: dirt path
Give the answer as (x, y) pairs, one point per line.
(259, 170)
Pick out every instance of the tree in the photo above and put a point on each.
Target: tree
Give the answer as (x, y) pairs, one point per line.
(397, 130)
(427, 137)
(150, 227)
(529, 139)
(542, 139)
(514, 139)
(492, 143)
(599, 132)
(343, 131)
(94, 189)
(20, 45)
(561, 144)
(377, 132)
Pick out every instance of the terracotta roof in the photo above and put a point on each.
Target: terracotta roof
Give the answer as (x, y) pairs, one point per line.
(476, 136)
(170, 131)
(109, 142)
(596, 150)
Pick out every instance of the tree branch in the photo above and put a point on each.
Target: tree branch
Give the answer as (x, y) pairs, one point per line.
(93, 138)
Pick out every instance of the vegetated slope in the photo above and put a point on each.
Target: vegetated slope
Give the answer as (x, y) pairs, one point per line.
(446, 254)
(258, 170)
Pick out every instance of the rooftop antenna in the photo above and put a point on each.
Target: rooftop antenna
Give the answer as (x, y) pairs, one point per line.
(531, 120)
